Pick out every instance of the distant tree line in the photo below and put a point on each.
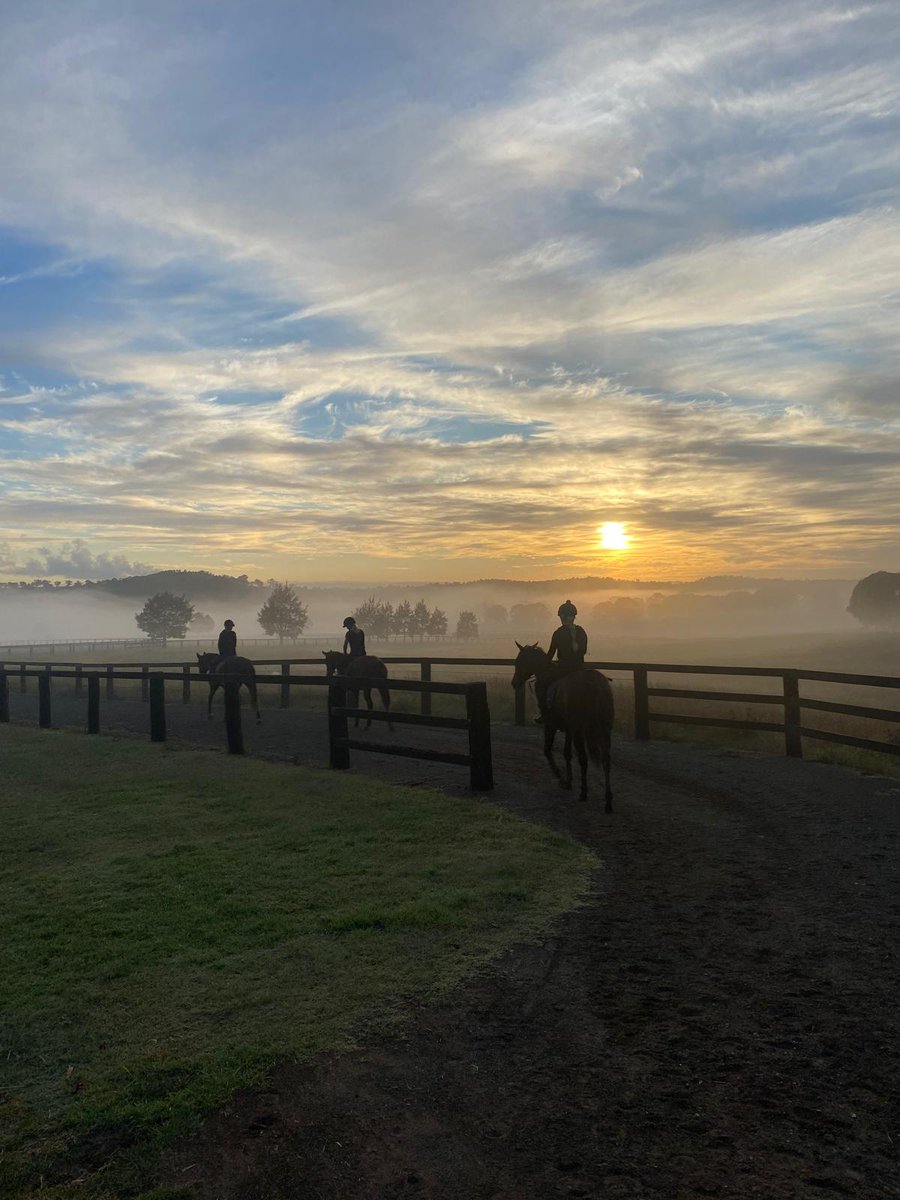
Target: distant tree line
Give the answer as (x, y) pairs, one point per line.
(381, 619)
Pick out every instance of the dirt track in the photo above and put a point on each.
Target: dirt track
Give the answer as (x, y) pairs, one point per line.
(720, 1020)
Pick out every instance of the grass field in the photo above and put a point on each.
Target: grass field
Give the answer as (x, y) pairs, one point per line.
(172, 922)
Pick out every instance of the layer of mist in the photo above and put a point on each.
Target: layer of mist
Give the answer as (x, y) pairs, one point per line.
(720, 607)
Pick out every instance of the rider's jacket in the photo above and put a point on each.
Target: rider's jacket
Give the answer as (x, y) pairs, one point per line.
(569, 646)
(355, 642)
(227, 643)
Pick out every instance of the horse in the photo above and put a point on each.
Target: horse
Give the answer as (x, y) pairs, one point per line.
(581, 705)
(368, 667)
(234, 669)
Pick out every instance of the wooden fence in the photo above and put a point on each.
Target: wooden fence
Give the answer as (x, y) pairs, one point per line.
(477, 721)
(789, 698)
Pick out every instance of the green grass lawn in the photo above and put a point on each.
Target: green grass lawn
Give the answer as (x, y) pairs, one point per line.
(174, 921)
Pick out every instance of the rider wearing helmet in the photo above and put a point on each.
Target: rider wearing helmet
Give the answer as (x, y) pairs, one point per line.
(354, 639)
(569, 647)
(227, 640)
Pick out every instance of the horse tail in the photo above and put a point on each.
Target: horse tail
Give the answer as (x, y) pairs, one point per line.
(599, 710)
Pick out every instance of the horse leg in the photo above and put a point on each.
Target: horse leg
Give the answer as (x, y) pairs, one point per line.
(583, 763)
(369, 706)
(567, 751)
(251, 688)
(386, 701)
(549, 737)
(355, 704)
(605, 759)
(213, 688)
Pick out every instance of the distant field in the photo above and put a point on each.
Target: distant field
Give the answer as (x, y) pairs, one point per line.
(172, 922)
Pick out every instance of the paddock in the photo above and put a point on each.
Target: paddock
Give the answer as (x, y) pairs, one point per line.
(719, 1018)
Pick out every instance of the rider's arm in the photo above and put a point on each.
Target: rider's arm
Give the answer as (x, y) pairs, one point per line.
(553, 652)
(346, 649)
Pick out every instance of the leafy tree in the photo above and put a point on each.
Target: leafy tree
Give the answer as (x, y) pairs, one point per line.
(530, 617)
(283, 613)
(420, 619)
(403, 619)
(496, 616)
(437, 622)
(876, 599)
(164, 616)
(203, 623)
(375, 617)
(466, 626)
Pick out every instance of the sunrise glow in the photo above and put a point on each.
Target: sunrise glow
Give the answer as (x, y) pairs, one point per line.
(613, 536)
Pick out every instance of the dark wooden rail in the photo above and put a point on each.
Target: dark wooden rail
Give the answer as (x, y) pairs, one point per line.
(787, 697)
(477, 721)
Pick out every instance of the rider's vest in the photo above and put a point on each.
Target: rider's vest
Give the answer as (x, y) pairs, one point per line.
(569, 645)
(356, 643)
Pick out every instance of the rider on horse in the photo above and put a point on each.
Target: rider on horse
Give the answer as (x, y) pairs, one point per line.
(227, 641)
(569, 647)
(354, 639)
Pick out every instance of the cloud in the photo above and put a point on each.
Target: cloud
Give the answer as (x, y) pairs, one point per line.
(368, 290)
(75, 560)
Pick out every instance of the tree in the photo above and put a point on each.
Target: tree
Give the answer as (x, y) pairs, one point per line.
(466, 626)
(420, 619)
(164, 616)
(403, 619)
(437, 623)
(876, 599)
(530, 617)
(203, 623)
(375, 617)
(283, 613)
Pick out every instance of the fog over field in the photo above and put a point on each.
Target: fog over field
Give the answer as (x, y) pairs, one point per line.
(634, 609)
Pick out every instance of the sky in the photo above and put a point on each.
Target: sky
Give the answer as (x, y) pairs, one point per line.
(374, 290)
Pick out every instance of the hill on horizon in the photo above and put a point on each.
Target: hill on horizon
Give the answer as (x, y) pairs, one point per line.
(206, 584)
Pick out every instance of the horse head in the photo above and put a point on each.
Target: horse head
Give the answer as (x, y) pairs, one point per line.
(529, 661)
(335, 662)
(206, 662)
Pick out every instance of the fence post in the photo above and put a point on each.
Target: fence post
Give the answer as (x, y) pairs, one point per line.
(641, 705)
(79, 682)
(481, 770)
(44, 712)
(233, 730)
(520, 704)
(338, 751)
(23, 678)
(157, 709)
(793, 742)
(145, 684)
(285, 686)
(110, 683)
(93, 713)
(4, 697)
(425, 676)
(185, 685)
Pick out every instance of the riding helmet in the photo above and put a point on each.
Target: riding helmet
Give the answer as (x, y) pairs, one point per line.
(567, 611)
(348, 621)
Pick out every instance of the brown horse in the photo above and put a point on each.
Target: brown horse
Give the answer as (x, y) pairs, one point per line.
(233, 669)
(581, 705)
(367, 667)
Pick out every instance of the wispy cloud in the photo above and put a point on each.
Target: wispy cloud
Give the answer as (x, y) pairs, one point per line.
(453, 288)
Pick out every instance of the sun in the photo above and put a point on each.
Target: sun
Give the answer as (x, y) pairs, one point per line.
(613, 536)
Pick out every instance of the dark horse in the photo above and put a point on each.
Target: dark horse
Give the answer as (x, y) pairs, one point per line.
(233, 669)
(581, 705)
(367, 666)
